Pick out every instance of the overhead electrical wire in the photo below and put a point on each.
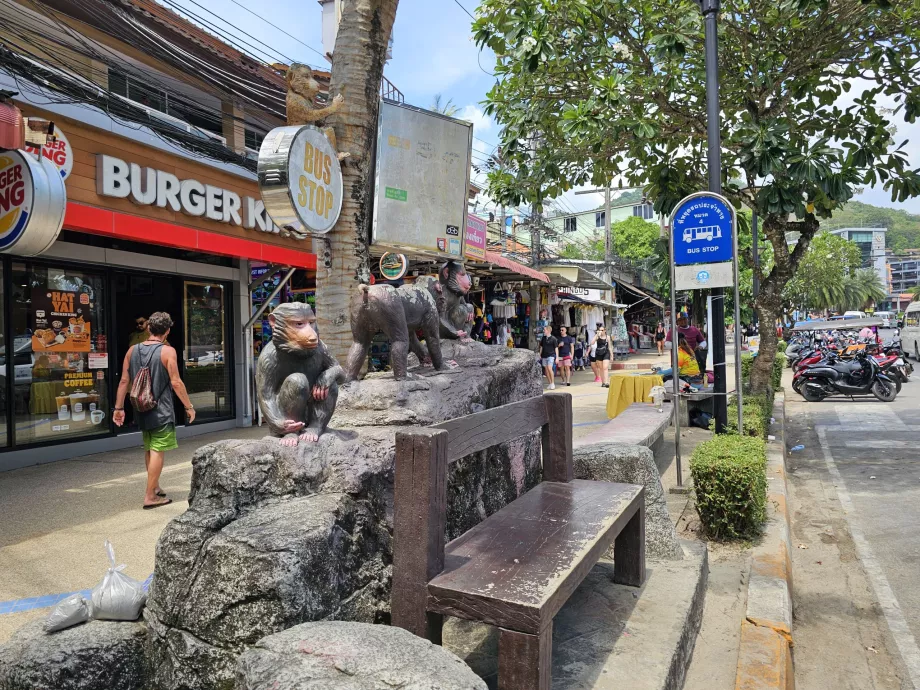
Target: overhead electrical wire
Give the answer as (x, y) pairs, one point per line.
(278, 27)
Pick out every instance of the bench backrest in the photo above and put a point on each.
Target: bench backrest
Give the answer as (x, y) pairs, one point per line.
(420, 492)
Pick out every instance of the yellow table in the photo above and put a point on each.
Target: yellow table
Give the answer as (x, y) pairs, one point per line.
(628, 387)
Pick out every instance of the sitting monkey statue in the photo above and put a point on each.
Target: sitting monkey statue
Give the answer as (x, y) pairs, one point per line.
(398, 312)
(296, 378)
(301, 104)
(454, 284)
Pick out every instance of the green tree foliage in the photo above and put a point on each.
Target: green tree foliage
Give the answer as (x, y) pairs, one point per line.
(819, 278)
(593, 90)
(447, 107)
(862, 289)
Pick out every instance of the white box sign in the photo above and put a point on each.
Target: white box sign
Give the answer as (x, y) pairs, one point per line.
(696, 276)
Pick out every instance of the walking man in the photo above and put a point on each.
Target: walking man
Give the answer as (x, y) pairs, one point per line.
(158, 425)
(548, 350)
(564, 353)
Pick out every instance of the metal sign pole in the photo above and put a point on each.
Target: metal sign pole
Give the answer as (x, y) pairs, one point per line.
(738, 394)
(675, 372)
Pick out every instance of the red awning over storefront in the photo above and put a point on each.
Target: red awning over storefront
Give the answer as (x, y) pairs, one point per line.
(499, 260)
(100, 221)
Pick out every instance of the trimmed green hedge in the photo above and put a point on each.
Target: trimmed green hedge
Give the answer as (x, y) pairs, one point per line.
(755, 416)
(730, 485)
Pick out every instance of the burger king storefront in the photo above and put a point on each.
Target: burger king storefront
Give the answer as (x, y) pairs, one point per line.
(146, 228)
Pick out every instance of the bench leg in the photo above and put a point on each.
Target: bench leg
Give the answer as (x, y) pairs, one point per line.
(629, 550)
(524, 660)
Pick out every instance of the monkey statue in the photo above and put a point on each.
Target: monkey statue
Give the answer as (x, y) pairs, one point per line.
(301, 104)
(398, 312)
(297, 380)
(454, 283)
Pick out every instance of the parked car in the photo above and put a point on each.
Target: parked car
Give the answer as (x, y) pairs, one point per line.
(910, 332)
(854, 314)
(887, 317)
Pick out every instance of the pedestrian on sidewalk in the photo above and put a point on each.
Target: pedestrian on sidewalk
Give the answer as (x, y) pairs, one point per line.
(602, 355)
(549, 347)
(592, 352)
(687, 365)
(158, 425)
(659, 338)
(566, 343)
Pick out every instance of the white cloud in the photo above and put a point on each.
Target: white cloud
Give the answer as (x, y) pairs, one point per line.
(482, 123)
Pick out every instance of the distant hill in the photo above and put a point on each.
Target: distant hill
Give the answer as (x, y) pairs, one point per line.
(903, 227)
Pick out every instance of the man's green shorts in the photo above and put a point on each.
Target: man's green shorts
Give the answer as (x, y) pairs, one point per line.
(161, 439)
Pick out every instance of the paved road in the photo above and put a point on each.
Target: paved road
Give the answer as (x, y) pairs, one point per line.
(858, 485)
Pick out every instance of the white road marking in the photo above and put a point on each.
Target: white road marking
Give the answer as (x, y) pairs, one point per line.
(902, 634)
(880, 443)
(869, 417)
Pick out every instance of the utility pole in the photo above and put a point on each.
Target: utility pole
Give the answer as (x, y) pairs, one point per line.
(501, 227)
(608, 240)
(536, 223)
(710, 10)
(756, 251)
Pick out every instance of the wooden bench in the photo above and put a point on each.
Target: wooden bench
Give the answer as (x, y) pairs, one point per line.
(516, 568)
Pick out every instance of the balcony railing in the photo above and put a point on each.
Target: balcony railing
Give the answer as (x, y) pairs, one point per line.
(390, 92)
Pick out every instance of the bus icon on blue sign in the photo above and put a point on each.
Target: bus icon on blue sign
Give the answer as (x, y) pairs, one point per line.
(706, 232)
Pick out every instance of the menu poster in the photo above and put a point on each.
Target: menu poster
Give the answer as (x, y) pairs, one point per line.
(60, 321)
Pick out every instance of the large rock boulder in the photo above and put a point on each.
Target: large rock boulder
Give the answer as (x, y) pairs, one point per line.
(277, 536)
(616, 462)
(98, 655)
(351, 656)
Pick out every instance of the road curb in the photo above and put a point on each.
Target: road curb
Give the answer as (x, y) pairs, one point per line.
(765, 652)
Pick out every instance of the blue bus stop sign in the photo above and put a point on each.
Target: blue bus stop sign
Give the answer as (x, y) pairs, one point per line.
(702, 228)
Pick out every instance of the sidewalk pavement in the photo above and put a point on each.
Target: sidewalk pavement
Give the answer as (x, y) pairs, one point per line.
(56, 516)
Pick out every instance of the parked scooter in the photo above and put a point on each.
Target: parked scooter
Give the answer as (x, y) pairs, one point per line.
(861, 376)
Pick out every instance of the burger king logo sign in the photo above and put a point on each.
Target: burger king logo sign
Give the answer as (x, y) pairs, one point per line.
(15, 197)
(58, 152)
(32, 202)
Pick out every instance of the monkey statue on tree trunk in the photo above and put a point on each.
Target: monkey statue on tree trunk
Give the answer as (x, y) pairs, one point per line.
(297, 379)
(301, 102)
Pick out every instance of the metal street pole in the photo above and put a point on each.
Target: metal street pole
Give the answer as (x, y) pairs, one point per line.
(756, 250)
(710, 10)
(608, 240)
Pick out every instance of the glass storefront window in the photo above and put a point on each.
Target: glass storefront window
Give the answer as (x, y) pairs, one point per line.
(58, 331)
(207, 374)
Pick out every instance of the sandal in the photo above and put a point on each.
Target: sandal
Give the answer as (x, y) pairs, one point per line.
(161, 493)
(151, 506)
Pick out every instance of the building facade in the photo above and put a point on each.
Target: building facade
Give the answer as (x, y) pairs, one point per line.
(871, 243)
(158, 125)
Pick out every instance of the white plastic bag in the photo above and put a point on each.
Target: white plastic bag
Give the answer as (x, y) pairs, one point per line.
(69, 612)
(118, 597)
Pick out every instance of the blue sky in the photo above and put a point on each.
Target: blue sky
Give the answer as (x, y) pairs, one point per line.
(433, 53)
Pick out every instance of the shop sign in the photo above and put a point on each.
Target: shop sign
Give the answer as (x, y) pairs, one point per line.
(585, 293)
(475, 240)
(151, 187)
(57, 151)
(300, 179)
(393, 266)
(59, 322)
(32, 202)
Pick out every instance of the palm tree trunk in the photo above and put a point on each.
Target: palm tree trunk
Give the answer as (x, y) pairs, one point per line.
(357, 68)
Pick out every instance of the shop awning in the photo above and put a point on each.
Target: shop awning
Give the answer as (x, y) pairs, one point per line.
(100, 221)
(503, 268)
(634, 289)
(572, 274)
(567, 297)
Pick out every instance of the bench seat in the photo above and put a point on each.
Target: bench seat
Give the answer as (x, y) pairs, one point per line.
(517, 568)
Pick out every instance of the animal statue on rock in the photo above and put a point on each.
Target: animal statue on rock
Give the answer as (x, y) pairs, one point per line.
(297, 379)
(399, 313)
(301, 102)
(456, 314)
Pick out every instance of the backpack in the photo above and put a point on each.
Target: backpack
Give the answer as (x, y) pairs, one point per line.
(141, 394)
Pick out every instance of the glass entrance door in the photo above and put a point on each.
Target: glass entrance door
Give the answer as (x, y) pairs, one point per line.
(206, 354)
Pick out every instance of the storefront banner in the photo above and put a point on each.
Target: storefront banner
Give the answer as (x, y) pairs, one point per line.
(58, 152)
(59, 322)
(32, 202)
(590, 294)
(475, 240)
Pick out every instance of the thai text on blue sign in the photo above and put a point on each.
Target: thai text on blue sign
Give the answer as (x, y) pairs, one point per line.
(702, 227)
